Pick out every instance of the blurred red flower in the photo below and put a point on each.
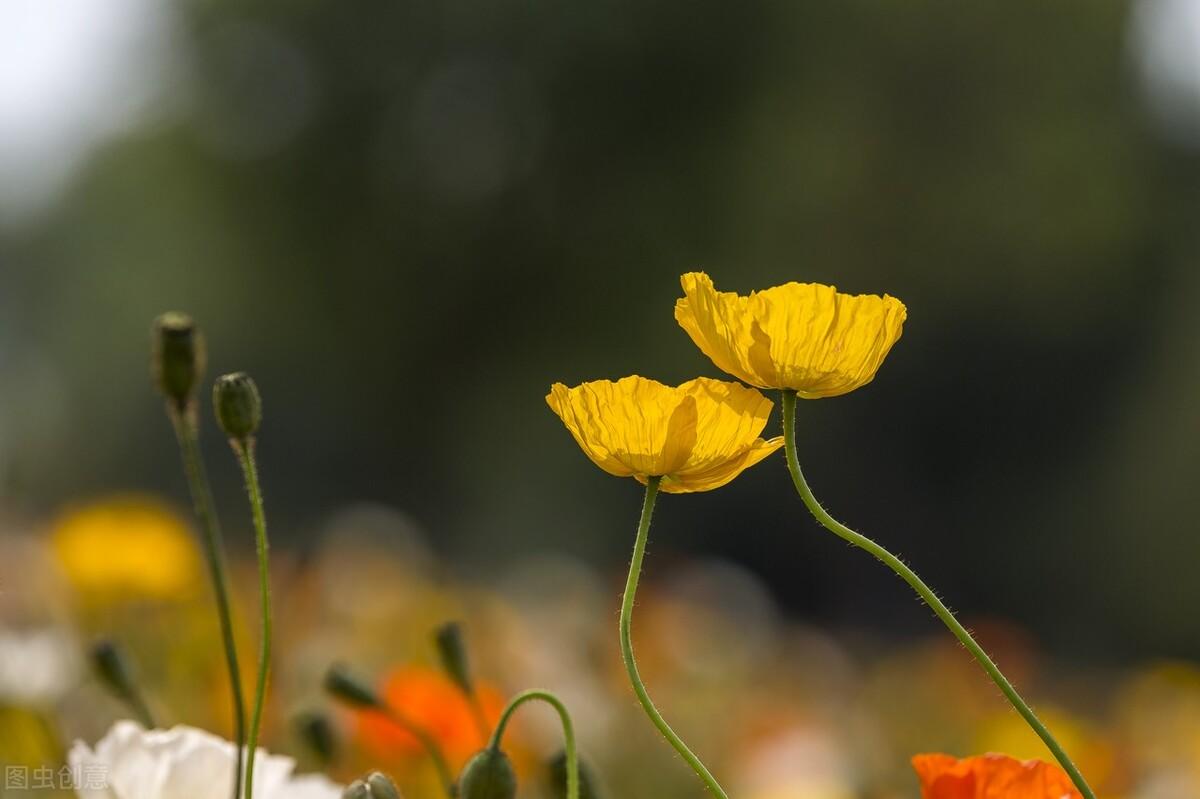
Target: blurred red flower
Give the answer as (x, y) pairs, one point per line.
(991, 776)
(428, 698)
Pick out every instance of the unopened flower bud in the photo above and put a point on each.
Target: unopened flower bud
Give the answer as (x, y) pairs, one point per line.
(357, 790)
(375, 785)
(558, 778)
(452, 650)
(343, 685)
(113, 669)
(381, 786)
(178, 360)
(488, 775)
(238, 405)
(318, 736)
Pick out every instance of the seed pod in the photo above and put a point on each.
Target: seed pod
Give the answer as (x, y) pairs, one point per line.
(178, 359)
(488, 775)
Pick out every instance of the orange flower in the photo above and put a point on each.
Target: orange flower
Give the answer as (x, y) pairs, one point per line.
(428, 699)
(991, 776)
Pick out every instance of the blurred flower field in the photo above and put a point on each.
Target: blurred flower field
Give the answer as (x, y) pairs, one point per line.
(782, 710)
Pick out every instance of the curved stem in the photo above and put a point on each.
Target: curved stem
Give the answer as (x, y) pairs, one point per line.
(568, 732)
(927, 594)
(631, 584)
(186, 432)
(429, 745)
(245, 451)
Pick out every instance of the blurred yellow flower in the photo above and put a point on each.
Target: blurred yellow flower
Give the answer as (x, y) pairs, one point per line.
(697, 436)
(126, 546)
(801, 336)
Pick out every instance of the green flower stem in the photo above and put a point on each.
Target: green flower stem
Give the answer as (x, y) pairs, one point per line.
(137, 703)
(635, 570)
(429, 744)
(245, 452)
(568, 733)
(477, 713)
(187, 433)
(927, 594)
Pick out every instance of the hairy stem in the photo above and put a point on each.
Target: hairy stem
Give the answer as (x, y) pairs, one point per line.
(909, 576)
(245, 451)
(639, 688)
(568, 732)
(187, 433)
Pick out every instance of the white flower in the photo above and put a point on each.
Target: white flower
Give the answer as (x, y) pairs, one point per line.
(36, 667)
(181, 763)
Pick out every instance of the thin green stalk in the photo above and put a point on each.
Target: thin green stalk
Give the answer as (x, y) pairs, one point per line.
(927, 594)
(429, 745)
(635, 570)
(137, 703)
(477, 713)
(568, 732)
(245, 451)
(186, 432)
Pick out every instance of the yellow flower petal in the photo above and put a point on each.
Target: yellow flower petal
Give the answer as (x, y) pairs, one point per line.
(696, 436)
(801, 336)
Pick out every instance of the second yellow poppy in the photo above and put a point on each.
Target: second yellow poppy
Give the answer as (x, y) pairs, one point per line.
(805, 337)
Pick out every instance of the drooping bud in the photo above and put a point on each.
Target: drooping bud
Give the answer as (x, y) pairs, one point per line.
(318, 736)
(113, 668)
(178, 359)
(488, 775)
(452, 651)
(238, 405)
(343, 685)
(558, 778)
(381, 786)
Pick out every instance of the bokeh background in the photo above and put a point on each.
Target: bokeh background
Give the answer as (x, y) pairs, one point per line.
(407, 219)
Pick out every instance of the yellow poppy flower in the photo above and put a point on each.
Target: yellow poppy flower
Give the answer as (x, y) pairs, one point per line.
(697, 436)
(127, 546)
(801, 336)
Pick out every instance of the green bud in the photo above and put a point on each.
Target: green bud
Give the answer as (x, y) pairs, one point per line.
(341, 684)
(558, 778)
(357, 790)
(113, 668)
(381, 786)
(238, 405)
(452, 649)
(317, 733)
(488, 775)
(178, 360)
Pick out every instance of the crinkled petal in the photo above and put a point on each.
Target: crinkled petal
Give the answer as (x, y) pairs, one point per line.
(802, 336)
(721, 472)
(695, 436)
